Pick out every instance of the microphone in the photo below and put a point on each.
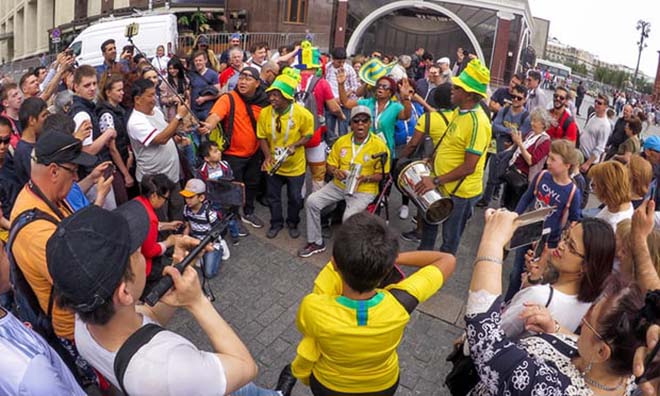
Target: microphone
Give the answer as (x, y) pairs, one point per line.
(379, 155)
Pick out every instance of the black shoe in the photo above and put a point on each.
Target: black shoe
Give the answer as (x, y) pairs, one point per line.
(286, 382)
(482, 203)
(272, 232)
(411, 236)
(294, 232)
(252, 220)
(242, 231)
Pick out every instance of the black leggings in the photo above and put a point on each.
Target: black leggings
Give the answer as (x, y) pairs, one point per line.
(319, 390)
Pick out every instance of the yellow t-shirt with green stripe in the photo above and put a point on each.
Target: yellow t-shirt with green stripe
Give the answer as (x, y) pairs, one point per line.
(302, 124)
(349, 345)
(468, 132)
(438, 124)
(342, 152)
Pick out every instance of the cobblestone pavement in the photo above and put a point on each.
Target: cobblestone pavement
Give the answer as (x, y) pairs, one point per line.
(259, 288)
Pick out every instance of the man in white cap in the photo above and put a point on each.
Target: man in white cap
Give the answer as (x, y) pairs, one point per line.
(357, 148)
(445, 70)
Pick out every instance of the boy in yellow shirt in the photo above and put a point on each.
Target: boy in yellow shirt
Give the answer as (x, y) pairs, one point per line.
(349, 340)
(284, 127)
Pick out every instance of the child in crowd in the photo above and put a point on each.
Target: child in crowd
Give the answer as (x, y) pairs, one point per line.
(215, 168)
(351, 327)
(551, 187)
(199, 218)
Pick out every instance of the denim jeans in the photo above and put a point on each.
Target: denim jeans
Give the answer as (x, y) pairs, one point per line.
(212, 261)
(294, 186)
(336, 127)
(233, 228)
(452, 228)
(253, 390)
(7, 300)
(516, 272)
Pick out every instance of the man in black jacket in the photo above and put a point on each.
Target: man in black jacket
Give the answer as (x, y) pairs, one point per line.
(618, 135)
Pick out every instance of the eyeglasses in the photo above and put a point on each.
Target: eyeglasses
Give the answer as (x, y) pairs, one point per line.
(73, 171)
(5, 140)
(570, 243)
(361, 120)
(383, 86)
(590, 327)
(559, 97)
(246, 76)
(164, 196)
(516, 97)
(599, 102)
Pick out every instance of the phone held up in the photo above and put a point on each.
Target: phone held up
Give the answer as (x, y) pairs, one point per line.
(530, 228)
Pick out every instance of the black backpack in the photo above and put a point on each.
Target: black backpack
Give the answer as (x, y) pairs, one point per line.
(566, 124)
(27, 303)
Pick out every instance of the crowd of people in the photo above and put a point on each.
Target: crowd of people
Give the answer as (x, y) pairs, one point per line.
(108, 175)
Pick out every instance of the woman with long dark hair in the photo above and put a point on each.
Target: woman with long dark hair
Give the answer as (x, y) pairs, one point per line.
(176, 77)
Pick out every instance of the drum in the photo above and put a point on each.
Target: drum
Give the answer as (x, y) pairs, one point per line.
(435, 207)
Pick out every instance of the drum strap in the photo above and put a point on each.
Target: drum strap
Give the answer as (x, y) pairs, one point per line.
(437, 145)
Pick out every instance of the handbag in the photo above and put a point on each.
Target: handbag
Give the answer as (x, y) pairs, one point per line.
(516, 184)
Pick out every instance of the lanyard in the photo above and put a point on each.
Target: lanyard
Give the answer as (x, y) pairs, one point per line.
(360, 147)
(413, 116)
(37, 191)
(288, 125)
(376, 115)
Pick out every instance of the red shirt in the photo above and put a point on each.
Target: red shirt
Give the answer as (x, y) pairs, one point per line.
(150, 247)
(322, 92)
(226, 75)
(556, 132)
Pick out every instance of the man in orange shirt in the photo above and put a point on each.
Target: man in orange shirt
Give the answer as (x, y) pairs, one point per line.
(239, 110)
(56, 158)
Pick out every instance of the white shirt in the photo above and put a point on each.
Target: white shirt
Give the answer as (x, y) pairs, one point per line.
(614, 218)
(168, 365)
(160, 64)
(593, 138)
(29, 366)
(152, 158)
(564, 308)
(79, 118)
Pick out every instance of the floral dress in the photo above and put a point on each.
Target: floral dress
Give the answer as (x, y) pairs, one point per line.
(537, 365)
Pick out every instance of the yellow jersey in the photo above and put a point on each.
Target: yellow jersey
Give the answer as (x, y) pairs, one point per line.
(346, 152)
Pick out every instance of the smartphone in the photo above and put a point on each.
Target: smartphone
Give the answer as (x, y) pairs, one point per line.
(109, 171)
(530, 228)
(654, 186)
(132, 29)
(540, 245)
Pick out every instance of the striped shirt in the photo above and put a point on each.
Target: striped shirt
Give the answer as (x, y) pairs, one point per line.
(202, 221)
(29, 366)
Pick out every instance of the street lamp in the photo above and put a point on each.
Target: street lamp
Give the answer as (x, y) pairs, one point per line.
(645, 28)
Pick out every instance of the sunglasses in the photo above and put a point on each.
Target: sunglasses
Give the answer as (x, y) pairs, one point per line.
(599, 102)
(5, 140)
(559, 97)
(516, 97)
(383, 86)
(361, 120)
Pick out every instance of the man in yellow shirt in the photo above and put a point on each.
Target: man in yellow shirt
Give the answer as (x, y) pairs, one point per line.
(283, 128)
(458, 165)
(358, 148)
(351, 333)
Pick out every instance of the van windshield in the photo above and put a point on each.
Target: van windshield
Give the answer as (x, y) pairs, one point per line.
(76, 48)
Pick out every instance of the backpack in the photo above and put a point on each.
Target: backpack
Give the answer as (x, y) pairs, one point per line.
(27, 304)
(522, 120)
(129, 348)
(564, 128)
(307, 99)
(222, 136)
(564, 213)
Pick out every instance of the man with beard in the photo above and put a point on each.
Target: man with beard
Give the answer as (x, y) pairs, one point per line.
(618, 135)
(565, 127)
(239, 111)
(359, 147)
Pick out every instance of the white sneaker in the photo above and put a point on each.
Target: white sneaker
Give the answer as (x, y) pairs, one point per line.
(225, 250)
(404, 212)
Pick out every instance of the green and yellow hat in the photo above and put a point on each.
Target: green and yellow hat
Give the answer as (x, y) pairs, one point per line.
(308, 57)
(474, 78)
(286, 82)
(372, 70)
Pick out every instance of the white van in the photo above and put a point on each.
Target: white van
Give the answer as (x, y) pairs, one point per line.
(154, 30)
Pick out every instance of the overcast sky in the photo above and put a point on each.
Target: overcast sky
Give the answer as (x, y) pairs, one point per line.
(605, 28)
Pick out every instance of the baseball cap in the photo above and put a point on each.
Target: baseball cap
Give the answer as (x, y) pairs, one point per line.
(252, 71)
(235, 36)
(203, 40)
(88, 253)
(360, 110)
(61, 148)
(652, 143)
(193, 187)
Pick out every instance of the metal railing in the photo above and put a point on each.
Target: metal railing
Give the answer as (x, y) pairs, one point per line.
(219, 42)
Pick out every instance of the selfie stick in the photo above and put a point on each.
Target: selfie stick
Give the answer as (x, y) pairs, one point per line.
(131, 30)
(166, 283)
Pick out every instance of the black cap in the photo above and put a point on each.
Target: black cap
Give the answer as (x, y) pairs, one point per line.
(61, 148)
(339, 53)
(89, 251)
(252, 71)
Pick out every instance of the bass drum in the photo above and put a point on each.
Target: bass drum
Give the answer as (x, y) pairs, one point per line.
(435, 207)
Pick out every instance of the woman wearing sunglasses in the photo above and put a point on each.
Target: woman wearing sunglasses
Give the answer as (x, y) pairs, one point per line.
(598, 361)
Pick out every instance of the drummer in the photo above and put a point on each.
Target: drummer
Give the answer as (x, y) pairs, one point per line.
(357, 147)
(458, 165)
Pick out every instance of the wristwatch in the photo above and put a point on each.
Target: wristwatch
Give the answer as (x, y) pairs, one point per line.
(436, 180)
(178, 117)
